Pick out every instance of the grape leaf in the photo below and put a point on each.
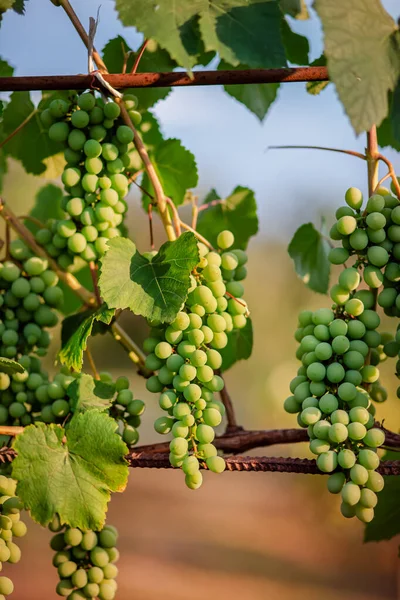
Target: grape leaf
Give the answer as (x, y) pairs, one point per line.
(309, 251)
(154, 59)
(71, 354)
(153, 288)
(3, 157)
(150, 131)
(386, 522)
(31, 145)
(256, 97)
(6, 70)
(71, 323)
(296, 45)
(237, 212)
(315, 87)
(47, 206)
(241, 31)
(239, 347)
(362, 53)
(191, 39)
(176, 168)
(10, 366)
(70, 471)
(87, 394)
(386, 135)
(295, 8)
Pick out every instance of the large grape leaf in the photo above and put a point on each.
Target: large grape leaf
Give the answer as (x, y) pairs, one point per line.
(309, 251)
(153, 59)
(240, 31)
(239, 347)
(256, 97)
(296, 45)
(363, 57)
(31, 145)
(153, 288)
(176, 168)
(237, 212)
(244, 31)
(86, 393)
(71, 354)
(70, 471)
(6, 70)
(386, 521)
(47, 206)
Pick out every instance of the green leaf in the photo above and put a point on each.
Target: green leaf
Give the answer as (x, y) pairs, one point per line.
(239, 347)
(10, 366)
(296, 45)
(3, 157)
(244, 32)
(70, 471)
(237, 212)
(362, 53)
(71, 354)
(386, 522)
(256, 97)
(153, 288)
(6, 70)
(87, 394)
(240, 31)
(315, 87)
(150, 131)
(71, 302)
(176, 168)
(154, 59)
(71, 323)
(47, 206)
(309, 251)
(295, 8)
(31, 145)
(191, 39)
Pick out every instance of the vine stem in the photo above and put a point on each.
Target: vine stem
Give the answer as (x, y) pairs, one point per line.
(140, 147)
(93, 273)
(92, 364)
(231, 424)
(139, 56)
(197, 234)
(340, 150)
(136, 355)
(17, 129)
(10, 430)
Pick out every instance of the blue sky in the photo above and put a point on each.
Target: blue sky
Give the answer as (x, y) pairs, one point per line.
(228, 141)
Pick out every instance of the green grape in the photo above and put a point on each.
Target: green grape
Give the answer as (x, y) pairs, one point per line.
(327, 461)
(374, 438)
(351, 493)
(225, 239)
(111, 110)
(337, 256)
(124, 134)
(86, 101)
(346, 225)
(373, 276)
(59, 132)
(336, 483)
(346, 459)
(340, 344)
(194, 481)
(368, 498)
(80, 119)
(6, 586)
(358, 240)
(357, 431)
(349, 279)
(377, 256)
(99, 557)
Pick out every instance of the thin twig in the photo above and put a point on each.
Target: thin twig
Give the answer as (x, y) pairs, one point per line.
(382, 180)
(136, 355)
(18, 129)
(139, 56)
(195, 212)
(93, 273)
(91, 362)
(11, 430)
(197, 234)
(392, 172)
(150, 216)
(32, 220)
(212, 203)
(134, 176)
(175, 216)
(231, 424)
(8, 240)
(349, 152)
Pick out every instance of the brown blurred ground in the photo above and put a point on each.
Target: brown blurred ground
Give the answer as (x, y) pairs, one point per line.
(242, 536)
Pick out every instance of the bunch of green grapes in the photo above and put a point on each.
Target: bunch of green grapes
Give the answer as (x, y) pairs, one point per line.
(85, 561)
(19, 403)
(186, 356)
(11, 527)
(98, 153)
(331, 402)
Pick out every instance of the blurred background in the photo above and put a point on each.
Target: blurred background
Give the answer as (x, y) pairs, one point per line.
(245, 535)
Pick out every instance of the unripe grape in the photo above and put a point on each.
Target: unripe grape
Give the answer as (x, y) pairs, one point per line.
(59, 132)
(354, 198)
